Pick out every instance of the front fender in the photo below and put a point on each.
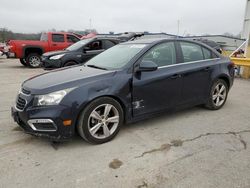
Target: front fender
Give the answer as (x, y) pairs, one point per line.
(118, 87)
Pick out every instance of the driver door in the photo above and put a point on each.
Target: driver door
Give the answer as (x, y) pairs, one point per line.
(160, 89)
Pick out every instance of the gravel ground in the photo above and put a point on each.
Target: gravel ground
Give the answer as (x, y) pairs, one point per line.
(190, 148)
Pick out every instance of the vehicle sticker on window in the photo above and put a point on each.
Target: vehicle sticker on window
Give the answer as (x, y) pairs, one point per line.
(138, 46)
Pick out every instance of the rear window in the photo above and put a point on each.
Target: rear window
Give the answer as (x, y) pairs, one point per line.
(57, 38)
(44, 37)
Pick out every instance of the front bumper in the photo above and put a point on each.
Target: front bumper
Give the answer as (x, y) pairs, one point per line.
(45, 121)
(49, 64)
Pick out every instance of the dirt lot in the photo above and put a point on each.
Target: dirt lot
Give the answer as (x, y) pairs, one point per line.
(190, 148)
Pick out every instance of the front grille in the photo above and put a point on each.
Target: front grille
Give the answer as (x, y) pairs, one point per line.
(20, 103)
(26, 92)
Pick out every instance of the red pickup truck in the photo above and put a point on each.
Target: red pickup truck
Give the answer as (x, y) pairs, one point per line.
(29, 51)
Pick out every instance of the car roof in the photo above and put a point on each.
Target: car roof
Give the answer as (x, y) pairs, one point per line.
(109, 38)
(157, 40)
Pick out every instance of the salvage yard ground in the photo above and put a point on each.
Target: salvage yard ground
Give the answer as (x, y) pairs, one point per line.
(191, 148)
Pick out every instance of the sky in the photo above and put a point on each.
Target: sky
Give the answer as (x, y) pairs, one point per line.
(195, 17)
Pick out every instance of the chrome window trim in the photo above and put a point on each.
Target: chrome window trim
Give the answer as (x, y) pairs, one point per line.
(190, 62)
(32, 121)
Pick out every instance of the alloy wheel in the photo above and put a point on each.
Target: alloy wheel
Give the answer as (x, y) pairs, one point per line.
(103, 121)
(34, 61)
(219, 94)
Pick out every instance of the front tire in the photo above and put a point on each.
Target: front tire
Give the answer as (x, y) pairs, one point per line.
(218, 95)
(100, 121)
(33, 60)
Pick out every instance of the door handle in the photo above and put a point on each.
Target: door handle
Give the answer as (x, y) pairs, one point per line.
(175, 76)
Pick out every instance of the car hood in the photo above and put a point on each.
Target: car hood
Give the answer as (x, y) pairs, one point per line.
(49, 54)
(64, 78)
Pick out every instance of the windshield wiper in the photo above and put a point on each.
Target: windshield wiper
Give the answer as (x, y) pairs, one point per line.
(94, 66)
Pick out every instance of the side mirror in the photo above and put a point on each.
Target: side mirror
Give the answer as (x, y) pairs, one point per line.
(146, 66)
(86, 48)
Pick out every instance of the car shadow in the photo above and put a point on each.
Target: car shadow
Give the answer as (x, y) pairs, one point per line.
(166, 117)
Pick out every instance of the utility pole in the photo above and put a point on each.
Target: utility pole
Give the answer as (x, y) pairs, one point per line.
(178, 27)
(246, 28)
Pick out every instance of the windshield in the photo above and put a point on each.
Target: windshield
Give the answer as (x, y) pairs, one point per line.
(78, 45)
(116, 57)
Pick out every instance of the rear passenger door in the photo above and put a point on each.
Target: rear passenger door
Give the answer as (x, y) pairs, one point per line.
(58, 42)
(196, 67)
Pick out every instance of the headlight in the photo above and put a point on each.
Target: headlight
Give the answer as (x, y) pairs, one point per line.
(56, 56)
(51, 98)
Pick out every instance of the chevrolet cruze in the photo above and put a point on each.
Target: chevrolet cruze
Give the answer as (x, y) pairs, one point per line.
(126, 83)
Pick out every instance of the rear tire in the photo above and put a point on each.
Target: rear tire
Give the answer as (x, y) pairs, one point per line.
(33, 60)
(218, 95)
(100, 121)
(69, 63)
(23, 62)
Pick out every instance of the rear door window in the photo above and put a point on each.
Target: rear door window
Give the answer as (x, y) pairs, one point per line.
(207, 53)
(191, 52)
(57, 38)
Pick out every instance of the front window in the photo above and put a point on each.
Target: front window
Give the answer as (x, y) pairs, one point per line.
(162, 54)
(116, 57)
(72, 39)
(78, 45)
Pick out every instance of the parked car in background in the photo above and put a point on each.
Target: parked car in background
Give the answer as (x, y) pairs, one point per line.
(128, 82)
(77, 53)
(29, 52)
(83, 50)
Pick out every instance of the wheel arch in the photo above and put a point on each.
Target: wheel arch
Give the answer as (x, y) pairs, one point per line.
(32, 49)
(225, 78)
(102, 96)
(70, 60)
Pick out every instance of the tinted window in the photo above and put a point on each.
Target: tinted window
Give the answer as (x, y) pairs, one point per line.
(57, 38)
(162, 54)
(108, 44)
(191, 51)
(95, 45)
(71, 38)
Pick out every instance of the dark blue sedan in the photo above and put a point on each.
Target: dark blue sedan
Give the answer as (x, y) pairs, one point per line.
(126, 83)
